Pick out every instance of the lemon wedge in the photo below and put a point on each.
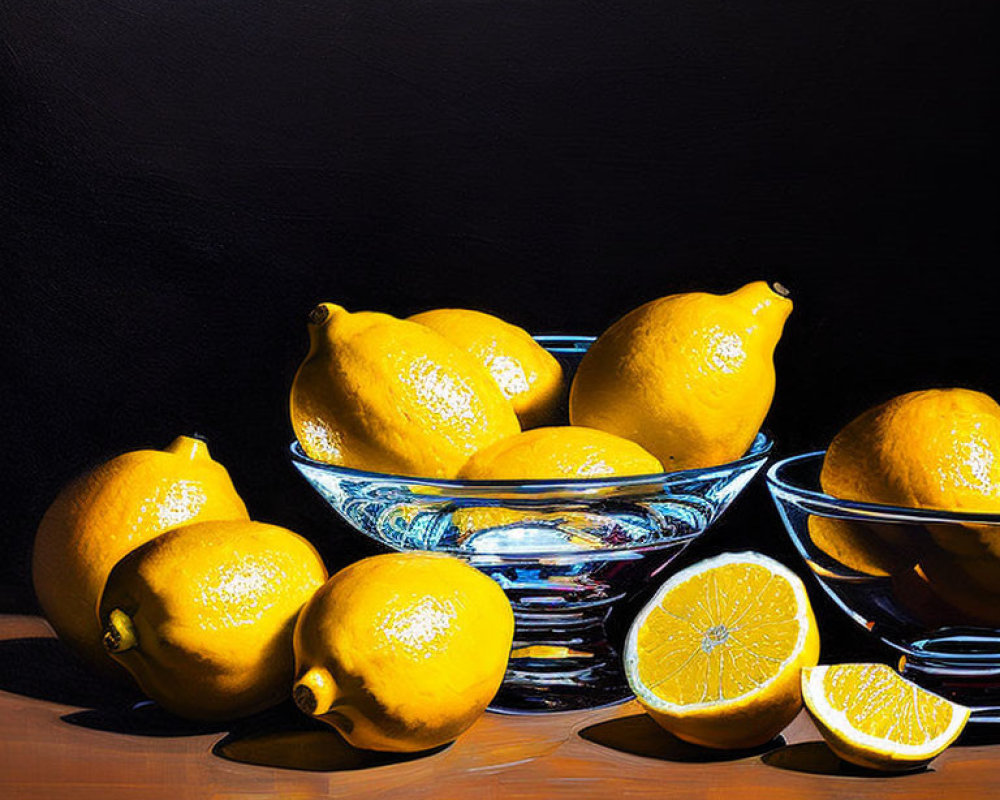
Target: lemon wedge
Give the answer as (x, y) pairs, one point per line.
(715, 656)
(872, 717)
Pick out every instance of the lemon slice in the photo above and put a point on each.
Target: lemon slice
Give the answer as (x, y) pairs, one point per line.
(715, 656)
(874, 718)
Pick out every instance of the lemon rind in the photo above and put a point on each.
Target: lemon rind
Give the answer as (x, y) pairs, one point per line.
(830, 719)
(631, 657)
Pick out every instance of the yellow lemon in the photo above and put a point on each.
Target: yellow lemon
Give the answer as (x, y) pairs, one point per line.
(202, 616)
(403, 651)
(528, 374)
(872, 717)
(554, 453)
(388, 395)
(561, 451)
(101, 516)
(936, 449)
(872, 549)
(690, 377)
(715, 656)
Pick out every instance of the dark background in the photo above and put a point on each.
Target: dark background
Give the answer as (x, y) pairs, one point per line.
(182, 181)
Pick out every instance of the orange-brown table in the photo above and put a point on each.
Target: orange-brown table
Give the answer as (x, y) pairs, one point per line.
(65, 735)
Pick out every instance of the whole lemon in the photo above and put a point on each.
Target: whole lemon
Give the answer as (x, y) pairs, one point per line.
(690, 377)
(528, 374)
(388, 395)
(560, 451)
(101, 516)
(402, 651)
(202, 616)
(940, 449)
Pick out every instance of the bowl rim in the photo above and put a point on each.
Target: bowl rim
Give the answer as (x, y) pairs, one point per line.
(759, 450)
(820, 501)
(564, 342)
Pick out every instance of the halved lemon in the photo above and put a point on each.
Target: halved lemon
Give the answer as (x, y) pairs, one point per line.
(873, 717)
(715, 656)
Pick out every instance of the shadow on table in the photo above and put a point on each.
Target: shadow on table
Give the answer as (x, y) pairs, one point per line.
(287, 739)
(143, 718)
(45, 669)
(816, 758)
(640, 736)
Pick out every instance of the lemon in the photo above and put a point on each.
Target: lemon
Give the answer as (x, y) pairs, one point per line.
(715, 656)
(554, 453)
(402, 651)
(528, 374)
(202, 615)
(937, 449)
(101, 516)
(560, 451)
(690, 376)
(872, 717)
(387, 395)
(872, 549)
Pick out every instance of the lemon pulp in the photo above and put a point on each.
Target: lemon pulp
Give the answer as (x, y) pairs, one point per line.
(718, 636)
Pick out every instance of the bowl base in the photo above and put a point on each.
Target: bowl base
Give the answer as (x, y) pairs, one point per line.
(962, 664)
(561, 662)
(541, 701)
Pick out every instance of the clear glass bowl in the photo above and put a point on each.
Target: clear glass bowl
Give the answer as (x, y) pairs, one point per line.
(565, 552)
(925, 582)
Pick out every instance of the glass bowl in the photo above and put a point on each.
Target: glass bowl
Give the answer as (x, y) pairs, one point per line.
(924, 582)
(565, 552)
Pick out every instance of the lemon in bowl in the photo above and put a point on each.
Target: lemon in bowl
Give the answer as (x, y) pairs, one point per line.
(529, 376)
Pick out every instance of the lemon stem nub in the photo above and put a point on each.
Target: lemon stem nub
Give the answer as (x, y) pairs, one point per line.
(319, 314)
(119, 633)
(191, 447)
(313, 692)
(780, 288)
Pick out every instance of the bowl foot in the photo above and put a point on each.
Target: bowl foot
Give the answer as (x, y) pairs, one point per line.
(561, 662)
(962, 664)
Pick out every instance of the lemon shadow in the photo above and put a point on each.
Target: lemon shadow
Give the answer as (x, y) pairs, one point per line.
(143, 718)
(639, 735)
(293, 741)
(45, 669)
(816, 758)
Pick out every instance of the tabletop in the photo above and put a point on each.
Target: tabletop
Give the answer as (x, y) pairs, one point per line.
(64, 733)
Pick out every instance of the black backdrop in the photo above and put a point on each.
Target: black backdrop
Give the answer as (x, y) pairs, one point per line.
(182, 181)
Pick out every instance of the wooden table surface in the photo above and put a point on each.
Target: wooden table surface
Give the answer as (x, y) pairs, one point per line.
(66, 735)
